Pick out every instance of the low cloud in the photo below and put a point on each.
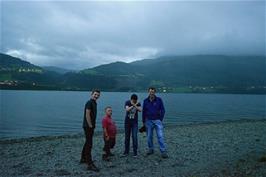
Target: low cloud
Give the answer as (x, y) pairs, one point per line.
(78, 35)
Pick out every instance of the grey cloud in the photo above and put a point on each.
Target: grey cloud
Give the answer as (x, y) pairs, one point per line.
(79, 35)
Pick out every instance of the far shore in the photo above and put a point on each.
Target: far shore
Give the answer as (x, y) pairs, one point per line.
(230, 148)
(242, 92)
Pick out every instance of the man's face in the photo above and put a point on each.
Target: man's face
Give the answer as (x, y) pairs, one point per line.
(95, 95)
(151, 93)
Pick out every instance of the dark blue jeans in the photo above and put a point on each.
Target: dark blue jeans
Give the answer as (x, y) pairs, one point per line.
(131, 128)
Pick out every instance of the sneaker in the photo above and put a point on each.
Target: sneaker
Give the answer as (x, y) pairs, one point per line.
(111, 154)
(105, 157)
(124, 154)
(92, 167)
(150, 152)
(83, 161)
(135, 154)
(164, 155)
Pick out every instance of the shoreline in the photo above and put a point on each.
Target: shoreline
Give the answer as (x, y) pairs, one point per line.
(230, 148)
(120, 131)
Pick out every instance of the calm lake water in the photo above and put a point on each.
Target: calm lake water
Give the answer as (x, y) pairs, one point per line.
(41, 113)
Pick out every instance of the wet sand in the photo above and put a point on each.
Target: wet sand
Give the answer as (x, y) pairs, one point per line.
(236, 148)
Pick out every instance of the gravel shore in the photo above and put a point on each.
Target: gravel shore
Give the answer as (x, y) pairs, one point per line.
(235, 148)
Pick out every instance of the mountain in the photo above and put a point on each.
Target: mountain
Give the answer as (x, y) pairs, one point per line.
(19, 74)
(8, 63)
(196, 74)
(57, 69)
(190, 73)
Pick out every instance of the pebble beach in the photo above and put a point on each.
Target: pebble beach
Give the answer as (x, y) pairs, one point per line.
(231, 148)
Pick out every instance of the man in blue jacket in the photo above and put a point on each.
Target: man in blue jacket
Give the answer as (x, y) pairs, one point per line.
(152, 116)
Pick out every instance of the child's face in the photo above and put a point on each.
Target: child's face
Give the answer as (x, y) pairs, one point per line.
(108, 111)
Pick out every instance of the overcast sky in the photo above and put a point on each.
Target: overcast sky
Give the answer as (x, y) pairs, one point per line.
(79, 35)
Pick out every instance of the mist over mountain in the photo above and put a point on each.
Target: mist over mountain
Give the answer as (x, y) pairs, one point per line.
(196, 74)
(58, 70)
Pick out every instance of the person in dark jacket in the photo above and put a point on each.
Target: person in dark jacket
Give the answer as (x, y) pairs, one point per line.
(152, 116)
(132, 108)
(89, 122)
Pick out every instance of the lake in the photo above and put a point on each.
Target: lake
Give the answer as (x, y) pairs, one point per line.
(42, 113)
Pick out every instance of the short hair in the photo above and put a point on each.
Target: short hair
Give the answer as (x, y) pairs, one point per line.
(134, 97)
(152, 88)
(107, 107)
(95, 90)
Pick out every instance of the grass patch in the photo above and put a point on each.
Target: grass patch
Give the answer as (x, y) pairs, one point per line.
(4, 77)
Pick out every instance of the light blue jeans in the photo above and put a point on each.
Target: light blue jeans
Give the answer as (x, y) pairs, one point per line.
(158, 126)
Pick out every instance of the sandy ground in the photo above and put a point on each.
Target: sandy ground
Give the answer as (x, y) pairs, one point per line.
(217, 149)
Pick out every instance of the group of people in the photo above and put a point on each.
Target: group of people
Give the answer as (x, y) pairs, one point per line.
(152, 116)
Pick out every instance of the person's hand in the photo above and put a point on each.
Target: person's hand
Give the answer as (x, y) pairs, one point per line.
(136, 104)
(107, 138)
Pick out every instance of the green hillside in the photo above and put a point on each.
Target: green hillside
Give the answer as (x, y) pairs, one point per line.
(9, 63)
(196, 74)
(19, 74)
(191, 73)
